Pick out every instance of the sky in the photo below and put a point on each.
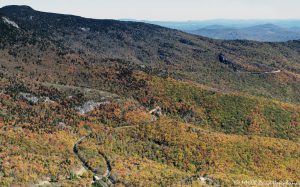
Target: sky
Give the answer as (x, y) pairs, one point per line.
(168, 10)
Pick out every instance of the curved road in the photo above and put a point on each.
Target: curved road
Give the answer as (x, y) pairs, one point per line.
(85, 164)
(205, 180)
(260, 73)
(107, 175)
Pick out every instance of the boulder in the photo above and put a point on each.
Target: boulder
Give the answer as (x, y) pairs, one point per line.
(156, 112)
(222, 58)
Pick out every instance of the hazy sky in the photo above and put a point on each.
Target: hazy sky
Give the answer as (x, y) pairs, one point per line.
(176, 10)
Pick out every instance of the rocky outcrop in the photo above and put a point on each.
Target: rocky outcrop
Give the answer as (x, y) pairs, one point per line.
(156, 113)
(29, 97)
(89, 106)
(224, 60)
(9, 22)
(203, 179)
(32, 99)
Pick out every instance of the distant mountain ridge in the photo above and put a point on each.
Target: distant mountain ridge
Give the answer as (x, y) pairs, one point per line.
(266, 32)
(257, 30)
(194, 25)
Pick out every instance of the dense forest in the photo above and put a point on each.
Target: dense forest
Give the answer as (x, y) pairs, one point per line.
(109, 103)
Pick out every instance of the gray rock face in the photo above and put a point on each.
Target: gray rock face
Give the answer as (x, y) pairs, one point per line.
(89, 106)
(209, 181)
(12, 23)
(34, 99)
(29, 97)
(205, 180)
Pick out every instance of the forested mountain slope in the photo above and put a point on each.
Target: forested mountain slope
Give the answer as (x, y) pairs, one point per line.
(63, 40)
(76, 96)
